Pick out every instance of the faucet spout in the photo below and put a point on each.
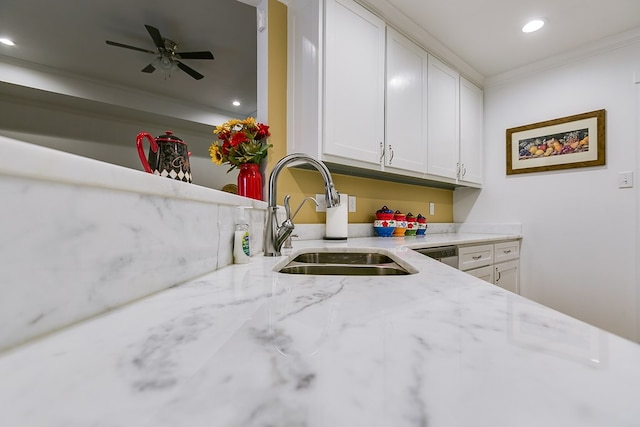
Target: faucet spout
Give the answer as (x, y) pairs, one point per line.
(276, 235)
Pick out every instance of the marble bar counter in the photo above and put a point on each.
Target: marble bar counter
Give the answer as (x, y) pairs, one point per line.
(246, 346)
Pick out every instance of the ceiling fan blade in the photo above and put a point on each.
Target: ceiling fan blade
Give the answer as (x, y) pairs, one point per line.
(129, 47)
(193, 73)
(194, 55)
(156, 36)
(149, 69)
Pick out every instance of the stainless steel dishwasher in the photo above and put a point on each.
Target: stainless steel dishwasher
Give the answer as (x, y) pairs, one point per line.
(445, 254)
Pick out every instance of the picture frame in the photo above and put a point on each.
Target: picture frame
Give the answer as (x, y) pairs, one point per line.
(568, 142)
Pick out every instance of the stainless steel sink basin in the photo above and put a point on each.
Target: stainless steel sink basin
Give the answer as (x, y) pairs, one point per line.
(345, 264)
(362, 258)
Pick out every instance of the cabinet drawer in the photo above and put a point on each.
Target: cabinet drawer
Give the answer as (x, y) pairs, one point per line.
(475, 256)
(484, 273)
(507, 251)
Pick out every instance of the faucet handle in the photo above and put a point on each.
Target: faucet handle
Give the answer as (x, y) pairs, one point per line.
(287, 207)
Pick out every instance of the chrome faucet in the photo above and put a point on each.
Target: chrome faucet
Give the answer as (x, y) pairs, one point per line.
(275, 235)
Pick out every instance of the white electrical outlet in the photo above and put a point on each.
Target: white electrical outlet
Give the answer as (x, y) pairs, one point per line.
(432, 208)
(352, 203)
(322, 203)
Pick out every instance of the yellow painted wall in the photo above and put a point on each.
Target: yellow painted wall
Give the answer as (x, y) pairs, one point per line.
(371, 194)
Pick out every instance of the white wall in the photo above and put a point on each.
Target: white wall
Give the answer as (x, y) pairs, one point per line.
(107, 137)
(580, 249)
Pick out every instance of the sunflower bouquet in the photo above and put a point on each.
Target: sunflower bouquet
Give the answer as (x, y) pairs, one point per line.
(240, 142)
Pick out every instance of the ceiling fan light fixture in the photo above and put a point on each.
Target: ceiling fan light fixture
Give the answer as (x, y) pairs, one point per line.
(165, 63)
(534, 25)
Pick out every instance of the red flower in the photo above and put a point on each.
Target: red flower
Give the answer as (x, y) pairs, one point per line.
(263, 131)
(225, 147)
(238, 138)
(385, 224)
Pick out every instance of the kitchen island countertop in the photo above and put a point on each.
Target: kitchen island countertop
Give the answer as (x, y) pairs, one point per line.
(245, 346)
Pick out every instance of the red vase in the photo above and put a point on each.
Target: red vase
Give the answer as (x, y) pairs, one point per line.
(250, 181)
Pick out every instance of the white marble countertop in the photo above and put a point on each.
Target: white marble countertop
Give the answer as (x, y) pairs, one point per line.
(244, 346)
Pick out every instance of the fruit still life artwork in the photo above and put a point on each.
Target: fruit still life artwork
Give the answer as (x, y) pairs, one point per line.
(576, 141)
(572, 142)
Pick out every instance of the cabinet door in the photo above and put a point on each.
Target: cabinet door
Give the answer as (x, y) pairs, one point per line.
(406, 117)
(507, 275)
(471, 133)
(484, 273)
(354, 82)
(443, 113)
(470, 257)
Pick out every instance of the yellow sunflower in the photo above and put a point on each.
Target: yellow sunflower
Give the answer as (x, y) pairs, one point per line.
(215, 151)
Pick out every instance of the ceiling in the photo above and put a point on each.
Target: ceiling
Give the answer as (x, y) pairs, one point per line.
(487, 34)
(70, 35)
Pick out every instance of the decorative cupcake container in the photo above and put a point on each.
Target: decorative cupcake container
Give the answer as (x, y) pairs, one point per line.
(401, 224)
(396, 224)
(422, 225)
(412, 225)
(384, 225)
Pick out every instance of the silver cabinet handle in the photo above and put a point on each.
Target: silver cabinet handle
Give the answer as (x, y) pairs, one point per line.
(506, 251)
(477, 257)
(390, 151)
(498, 273)
(381, 152)
(464, 171)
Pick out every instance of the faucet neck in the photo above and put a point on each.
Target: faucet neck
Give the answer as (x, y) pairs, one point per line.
(331, 194)
(275, 235)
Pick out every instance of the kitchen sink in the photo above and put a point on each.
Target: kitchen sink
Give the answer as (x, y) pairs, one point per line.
(345, 264)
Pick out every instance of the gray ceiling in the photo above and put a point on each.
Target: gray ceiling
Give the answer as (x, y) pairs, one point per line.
(70, 35)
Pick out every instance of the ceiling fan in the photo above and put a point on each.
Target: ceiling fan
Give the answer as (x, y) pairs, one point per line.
(167, 58)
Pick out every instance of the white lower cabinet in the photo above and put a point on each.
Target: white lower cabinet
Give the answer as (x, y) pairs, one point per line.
(497, 263)
(507, 275)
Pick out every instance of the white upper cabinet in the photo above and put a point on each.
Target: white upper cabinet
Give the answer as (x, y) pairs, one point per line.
(443, 108)
(368, 100)
(354, 82)
(406, 104)
(471, 133)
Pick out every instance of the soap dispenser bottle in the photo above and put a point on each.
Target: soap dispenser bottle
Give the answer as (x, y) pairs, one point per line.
(241, 247)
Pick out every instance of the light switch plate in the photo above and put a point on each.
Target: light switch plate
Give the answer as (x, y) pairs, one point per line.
(625, 179)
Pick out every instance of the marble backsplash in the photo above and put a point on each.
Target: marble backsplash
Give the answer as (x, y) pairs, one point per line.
(81, 237)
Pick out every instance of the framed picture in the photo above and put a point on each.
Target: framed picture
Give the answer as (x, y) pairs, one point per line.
(569, 142)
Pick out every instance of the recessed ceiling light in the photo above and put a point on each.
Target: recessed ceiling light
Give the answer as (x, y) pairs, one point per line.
(236, 103)
(533, 25)
(6, 41)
